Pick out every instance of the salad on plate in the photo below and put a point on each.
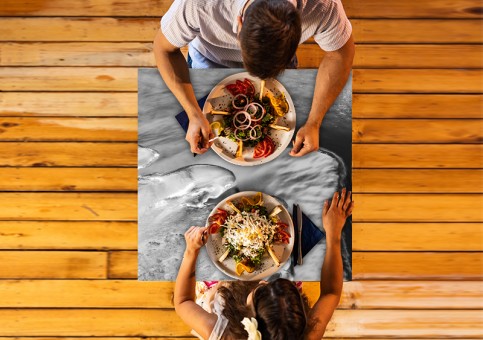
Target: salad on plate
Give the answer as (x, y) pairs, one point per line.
(249, 118)
(248, 230)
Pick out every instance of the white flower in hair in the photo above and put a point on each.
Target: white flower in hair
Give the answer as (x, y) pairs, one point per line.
(251, 326)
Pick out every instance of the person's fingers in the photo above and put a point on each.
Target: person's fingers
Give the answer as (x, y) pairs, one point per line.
(195, 143)
(190, 229)
(348, 200)
(305, 150)
(335, 200)
(205, 136)
(342, 198)
(297, 145)
(349, 211)
(326, 207)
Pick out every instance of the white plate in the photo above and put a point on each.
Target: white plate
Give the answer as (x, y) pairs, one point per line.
(215, 248)
(219, 99)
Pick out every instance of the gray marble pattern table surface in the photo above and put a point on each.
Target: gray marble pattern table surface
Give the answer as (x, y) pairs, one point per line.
(177, 190)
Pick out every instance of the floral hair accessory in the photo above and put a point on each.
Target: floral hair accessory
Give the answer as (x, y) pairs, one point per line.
(251, 326)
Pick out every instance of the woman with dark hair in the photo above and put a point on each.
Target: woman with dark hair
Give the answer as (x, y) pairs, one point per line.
(263, 310)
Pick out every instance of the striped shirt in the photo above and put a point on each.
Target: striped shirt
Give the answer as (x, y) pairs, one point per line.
(210, 27)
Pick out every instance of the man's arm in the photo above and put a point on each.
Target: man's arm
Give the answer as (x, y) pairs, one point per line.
(331, 277)
(184, 291)
(332, 75)
(173, 68)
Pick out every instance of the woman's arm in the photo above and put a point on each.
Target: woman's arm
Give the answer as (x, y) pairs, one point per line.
(184, 291)
(331, 277)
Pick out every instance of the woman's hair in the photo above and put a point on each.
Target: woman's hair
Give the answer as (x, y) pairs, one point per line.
(269, 37)
(279, 306)
(281, 310)
(234, 295)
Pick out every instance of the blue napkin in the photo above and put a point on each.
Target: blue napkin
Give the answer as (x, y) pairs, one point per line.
(311, 235)
(182, 117)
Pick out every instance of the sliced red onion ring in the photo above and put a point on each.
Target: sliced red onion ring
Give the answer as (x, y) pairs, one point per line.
(240, 95)
(252, 110)
(242, 120)
(253, 132)
(239, 138)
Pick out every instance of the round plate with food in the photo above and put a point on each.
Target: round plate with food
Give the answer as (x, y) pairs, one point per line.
(251, 128)
(251, 235)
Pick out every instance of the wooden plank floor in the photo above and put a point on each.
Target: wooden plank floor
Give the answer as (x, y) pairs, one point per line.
(68, 231)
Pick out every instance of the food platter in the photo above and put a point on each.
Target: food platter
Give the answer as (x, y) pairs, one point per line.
(220, 99)
(216, 248)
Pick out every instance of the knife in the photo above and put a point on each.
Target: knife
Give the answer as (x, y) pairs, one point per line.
(299, 224)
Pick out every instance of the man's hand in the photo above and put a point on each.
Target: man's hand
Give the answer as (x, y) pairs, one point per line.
(306, 141)
(199, 133)
(335, 214)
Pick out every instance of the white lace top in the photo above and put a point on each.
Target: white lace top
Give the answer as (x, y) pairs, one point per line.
(208, 298)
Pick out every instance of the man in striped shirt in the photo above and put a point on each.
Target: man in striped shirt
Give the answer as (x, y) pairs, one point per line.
(261, 36)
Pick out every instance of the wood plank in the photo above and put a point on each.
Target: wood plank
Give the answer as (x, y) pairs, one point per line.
(146, 322)
(417, 81)
(68, 235)
(416, 156)
(69, 206)
(68, 179)
(366, 265)
(52, 265)
(84, 8)
(414, 31)
(68, 79)
(139, 294)
(125, 79)
(417, 181)
(418, 208)
(310, 55)
(79, 29)
(60, 104)
(123, 265)
(77, 54)
(413, 9)
(427, 236)
(417, 131)
(416, 106)
(84, 322)
(419, 266)
(354, 8)
(399, 56)
(39, 154)
(381, 31)
(68, 129)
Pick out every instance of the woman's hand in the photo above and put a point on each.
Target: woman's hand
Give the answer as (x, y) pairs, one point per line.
(196, 238)
(335, 213)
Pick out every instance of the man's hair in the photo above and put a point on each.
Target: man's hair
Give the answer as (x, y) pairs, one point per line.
(269, 37)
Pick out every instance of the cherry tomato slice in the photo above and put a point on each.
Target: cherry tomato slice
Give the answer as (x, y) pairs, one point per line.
(213, 228)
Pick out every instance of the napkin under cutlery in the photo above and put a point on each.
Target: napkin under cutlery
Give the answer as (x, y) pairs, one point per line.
(311, 235)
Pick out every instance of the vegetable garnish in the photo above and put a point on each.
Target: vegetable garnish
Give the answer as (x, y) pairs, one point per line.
(250, 116)
(248, 231)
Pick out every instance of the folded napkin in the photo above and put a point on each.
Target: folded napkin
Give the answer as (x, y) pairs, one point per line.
(311, 235)
(182, 117)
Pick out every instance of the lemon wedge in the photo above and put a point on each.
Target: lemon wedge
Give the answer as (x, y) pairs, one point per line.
(217, 127)
(240, 268)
